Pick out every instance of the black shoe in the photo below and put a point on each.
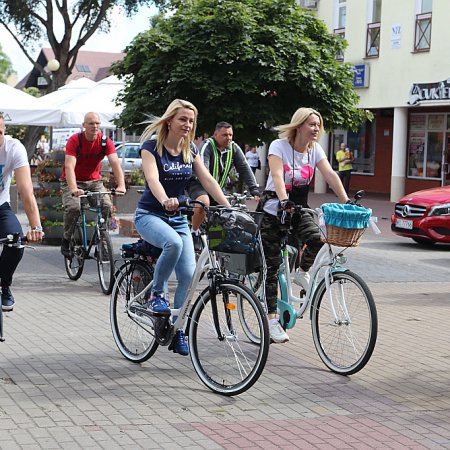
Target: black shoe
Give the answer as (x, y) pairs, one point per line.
(198, 244)
(8, 301)
(65, 247)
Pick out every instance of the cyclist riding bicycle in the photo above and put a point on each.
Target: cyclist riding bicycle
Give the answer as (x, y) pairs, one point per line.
(81, 172)
(13, 157)
(292, 162)
(168, 162)
(219, 154)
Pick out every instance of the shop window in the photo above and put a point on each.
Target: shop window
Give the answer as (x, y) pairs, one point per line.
(426, 144)
(362, 144)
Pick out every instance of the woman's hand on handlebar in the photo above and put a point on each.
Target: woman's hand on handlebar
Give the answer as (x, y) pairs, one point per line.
(77, 192)
(170, 204)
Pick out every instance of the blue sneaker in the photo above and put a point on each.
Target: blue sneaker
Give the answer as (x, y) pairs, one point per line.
(181, 345)
(8, 301)
(158, 306)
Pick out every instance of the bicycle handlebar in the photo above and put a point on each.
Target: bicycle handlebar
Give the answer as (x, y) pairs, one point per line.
(98, 193)
(14, 240)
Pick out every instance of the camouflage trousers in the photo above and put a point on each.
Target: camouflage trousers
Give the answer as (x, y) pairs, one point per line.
(304, 231)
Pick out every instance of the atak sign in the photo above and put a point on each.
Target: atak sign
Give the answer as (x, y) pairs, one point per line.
(423, 92)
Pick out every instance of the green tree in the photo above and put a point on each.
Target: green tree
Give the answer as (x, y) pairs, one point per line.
(6, 68)
(31, 21)
(251, 63)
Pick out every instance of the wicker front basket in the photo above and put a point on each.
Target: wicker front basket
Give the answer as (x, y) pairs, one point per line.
(343, 237)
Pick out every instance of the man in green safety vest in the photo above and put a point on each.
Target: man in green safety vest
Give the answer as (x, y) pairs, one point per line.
(220, 154)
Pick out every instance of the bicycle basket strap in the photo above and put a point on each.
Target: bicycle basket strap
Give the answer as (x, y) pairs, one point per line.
(232, 232)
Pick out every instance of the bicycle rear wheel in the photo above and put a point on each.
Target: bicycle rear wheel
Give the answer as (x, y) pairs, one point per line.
(105, 262)
(225, 359)
(344, 342)
(74, 264)
(132, 331)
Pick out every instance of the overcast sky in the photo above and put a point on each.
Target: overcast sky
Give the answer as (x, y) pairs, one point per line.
(122, 33)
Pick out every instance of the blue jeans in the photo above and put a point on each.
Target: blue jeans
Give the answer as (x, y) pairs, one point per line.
(10, 256)
(172, 235)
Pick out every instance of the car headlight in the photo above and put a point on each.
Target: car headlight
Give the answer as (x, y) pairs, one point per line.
(440, 210)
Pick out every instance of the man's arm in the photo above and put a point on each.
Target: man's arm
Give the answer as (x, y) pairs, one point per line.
(205, 154)
(241, 164)
(114, 162)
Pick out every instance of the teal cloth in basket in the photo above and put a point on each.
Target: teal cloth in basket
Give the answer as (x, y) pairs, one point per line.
(346, 216)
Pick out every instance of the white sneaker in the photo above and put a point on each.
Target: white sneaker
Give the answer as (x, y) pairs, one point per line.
(277, 334)
(302, 279)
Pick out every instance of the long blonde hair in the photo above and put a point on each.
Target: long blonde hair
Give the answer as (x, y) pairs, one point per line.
(160, 126)
(300, 116)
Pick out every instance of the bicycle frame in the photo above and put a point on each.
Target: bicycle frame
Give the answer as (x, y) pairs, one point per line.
(326, 262)
(100, 221)
(205, 262)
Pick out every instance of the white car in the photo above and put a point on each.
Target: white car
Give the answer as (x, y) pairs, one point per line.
(131, 161)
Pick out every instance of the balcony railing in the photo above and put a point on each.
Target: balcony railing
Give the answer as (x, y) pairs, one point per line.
(422, 39)
(341, 33)
(373, 40)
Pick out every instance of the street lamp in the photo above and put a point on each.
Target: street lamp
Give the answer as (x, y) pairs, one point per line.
(53, 65)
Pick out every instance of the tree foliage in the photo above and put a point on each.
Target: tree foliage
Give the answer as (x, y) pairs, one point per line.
(251, 63)
(31, 21)
(6, 68)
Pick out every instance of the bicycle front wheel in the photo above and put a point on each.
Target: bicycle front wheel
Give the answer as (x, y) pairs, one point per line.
(74, 263)
(345, 326)
(105, 262)
(225, 359)
(132, 331)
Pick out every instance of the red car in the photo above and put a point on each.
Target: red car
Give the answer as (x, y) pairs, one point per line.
(424, 216)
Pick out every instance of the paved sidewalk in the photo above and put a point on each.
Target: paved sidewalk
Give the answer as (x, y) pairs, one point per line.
(63, 383)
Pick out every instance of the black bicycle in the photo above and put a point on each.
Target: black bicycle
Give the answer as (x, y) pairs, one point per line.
(81, 244)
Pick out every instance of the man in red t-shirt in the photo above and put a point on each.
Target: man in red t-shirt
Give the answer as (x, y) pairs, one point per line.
(81, 172)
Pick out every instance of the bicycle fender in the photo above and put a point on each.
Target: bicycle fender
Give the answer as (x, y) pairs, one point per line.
(332, 271)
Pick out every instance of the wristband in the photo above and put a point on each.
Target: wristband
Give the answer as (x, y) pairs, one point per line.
(38, 228)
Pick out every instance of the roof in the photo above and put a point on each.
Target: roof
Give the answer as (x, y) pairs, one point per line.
(92, 65)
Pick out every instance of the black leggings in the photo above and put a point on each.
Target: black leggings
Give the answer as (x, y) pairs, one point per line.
(10, 256)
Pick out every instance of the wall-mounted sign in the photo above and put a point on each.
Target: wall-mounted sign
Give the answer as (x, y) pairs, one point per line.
(429, 92)
(361, 76)
(396, 35)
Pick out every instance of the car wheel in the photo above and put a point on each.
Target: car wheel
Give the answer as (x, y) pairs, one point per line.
(421, 241)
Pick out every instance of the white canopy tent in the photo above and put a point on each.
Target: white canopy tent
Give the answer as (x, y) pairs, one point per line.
(99, 98)
(65, 93)
(20, 108)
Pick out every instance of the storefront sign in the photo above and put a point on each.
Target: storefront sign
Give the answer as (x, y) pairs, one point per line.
(361, 76)
(422, 92)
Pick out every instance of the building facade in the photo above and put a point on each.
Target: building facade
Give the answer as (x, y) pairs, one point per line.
(399, 51)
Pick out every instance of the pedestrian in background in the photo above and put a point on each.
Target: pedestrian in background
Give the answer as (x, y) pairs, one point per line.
(344, 158)
(253, 158)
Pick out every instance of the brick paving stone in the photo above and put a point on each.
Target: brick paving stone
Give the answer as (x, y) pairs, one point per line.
(63, 382)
